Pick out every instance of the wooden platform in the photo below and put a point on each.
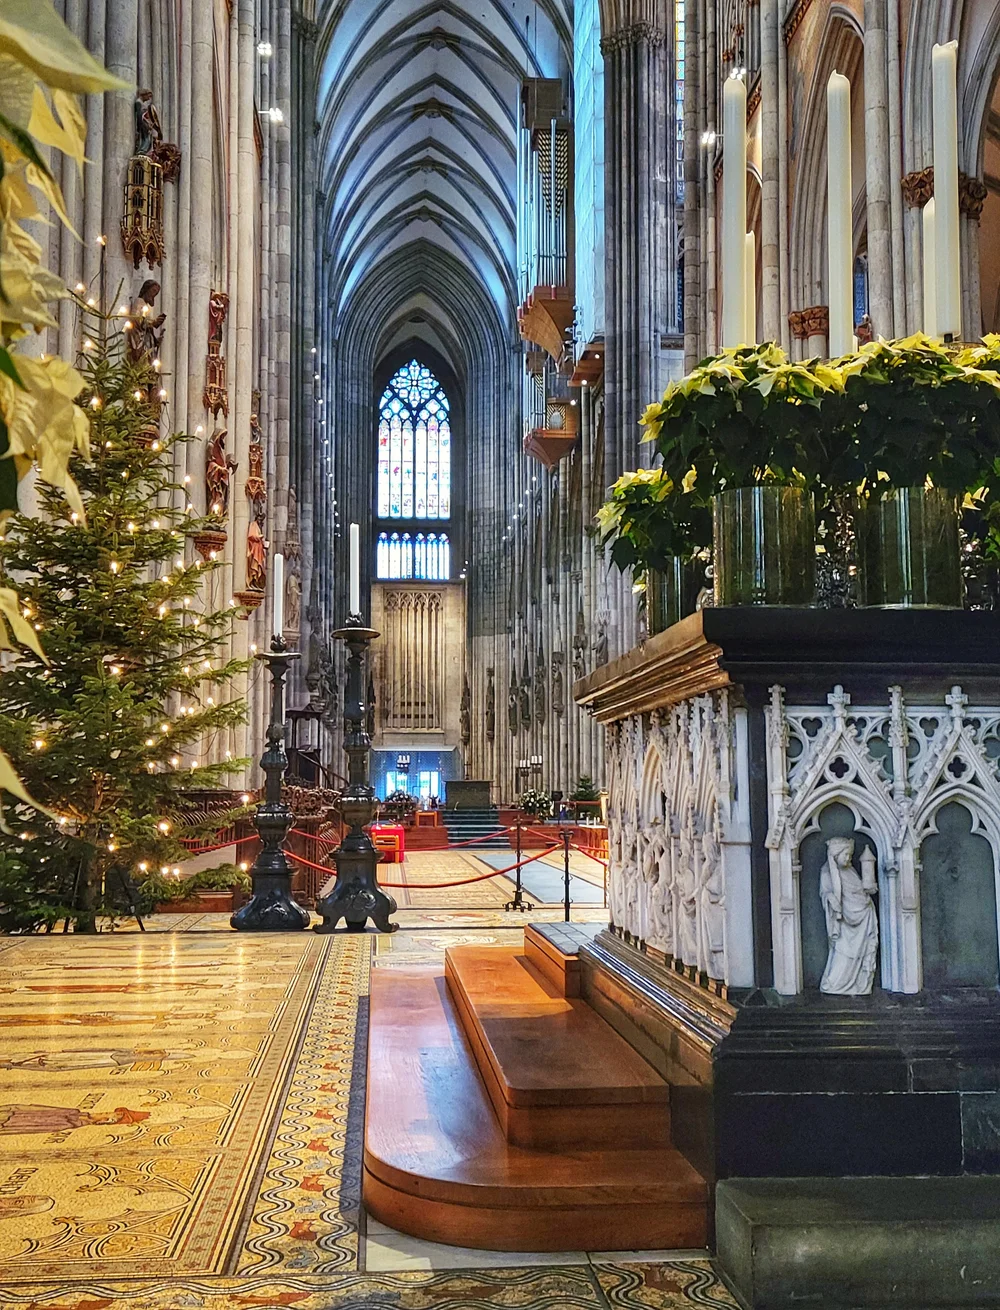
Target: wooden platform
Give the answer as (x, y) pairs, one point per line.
(558, 1075)
(438, 1164)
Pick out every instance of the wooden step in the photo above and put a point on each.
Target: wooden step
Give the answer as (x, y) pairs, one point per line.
(553, 948)
(437, 1164)
(557, 1074)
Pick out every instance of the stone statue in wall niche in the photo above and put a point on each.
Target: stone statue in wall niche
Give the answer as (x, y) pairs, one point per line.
(293, 603)
(513, 701)
(465, 712)
(711, 908)
(601, 643)
(491, 706)
(580, 646)
(558, 694)
(851, 919)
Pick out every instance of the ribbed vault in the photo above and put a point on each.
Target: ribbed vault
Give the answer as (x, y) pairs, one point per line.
(417, 106)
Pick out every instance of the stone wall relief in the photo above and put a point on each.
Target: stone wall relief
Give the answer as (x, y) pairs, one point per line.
(895, 767)
(679, 836)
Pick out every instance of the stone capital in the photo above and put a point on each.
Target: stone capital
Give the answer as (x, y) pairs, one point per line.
(624, 38)
(918, 187)
(811, 322)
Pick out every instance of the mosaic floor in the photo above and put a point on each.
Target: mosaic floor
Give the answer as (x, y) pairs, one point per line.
(182, 1115)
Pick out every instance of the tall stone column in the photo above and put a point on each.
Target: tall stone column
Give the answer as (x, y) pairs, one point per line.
(640, 235)
(770, 217)
(639, 227)
(877, 170)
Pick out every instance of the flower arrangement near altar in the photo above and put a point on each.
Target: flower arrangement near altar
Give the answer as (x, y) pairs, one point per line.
(536, 803)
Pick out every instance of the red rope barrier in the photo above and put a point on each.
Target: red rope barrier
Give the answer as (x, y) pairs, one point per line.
(430, 886)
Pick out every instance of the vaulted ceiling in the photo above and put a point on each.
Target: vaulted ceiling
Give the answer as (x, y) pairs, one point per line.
(417, 106)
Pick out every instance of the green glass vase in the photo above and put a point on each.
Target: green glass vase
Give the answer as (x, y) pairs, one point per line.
(908, 552)
(671, 594)
(765, 546)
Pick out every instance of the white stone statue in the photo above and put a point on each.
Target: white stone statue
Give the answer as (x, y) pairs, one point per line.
(711, 908)
(851, 919)
(687, 886)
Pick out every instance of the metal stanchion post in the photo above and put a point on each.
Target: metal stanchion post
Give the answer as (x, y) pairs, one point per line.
(565, 837)
(518, 902)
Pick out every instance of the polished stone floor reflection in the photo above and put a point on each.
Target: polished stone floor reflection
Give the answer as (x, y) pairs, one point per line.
(181, 1116)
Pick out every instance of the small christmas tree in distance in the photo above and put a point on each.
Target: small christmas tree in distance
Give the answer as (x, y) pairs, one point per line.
(113, 724)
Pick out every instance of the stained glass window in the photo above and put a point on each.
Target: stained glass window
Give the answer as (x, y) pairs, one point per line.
(414, 447)
(403, 557)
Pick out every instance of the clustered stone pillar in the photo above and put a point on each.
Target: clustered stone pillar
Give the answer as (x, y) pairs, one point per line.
(211, 241)
(877, 175)
(639, 256)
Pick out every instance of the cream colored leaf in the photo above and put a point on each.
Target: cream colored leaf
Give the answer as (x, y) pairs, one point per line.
(44, 128)
(32, 31)
(16, 200)
(13, 623)
(52, 192)
(17, 86)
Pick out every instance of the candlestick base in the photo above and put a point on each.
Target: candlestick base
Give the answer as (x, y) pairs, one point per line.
(356, 896)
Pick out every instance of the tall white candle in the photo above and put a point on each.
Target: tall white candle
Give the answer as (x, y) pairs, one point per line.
(750, 292)
(734, 211)
(947, 266)
(278, 583)
(930, 288)
(840, 224)
(355, 569)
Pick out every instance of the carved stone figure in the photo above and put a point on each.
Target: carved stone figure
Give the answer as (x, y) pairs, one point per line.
(539, 690)
(558, 692)
(601, 643)
(513, 698)
(851, 920)
(147, 123)
(711, 908)
(465, 712)
(491, 707)
(218, 308)
(686, 879)
(580, 646)
(144, 336)
(293, 603)
(255, 486)
(256, 557)
(216, 395)
(219, 468)
(525, 694)
(149, 137)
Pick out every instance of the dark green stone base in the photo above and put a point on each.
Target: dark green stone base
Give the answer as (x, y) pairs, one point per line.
(841, 1243)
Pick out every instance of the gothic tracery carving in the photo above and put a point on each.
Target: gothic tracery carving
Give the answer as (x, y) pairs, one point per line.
(894, 766)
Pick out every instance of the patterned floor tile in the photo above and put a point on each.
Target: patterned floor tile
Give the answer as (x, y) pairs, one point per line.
(487, 1289)
(670, 1285)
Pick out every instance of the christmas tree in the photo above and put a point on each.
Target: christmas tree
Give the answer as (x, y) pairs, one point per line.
(129, 707)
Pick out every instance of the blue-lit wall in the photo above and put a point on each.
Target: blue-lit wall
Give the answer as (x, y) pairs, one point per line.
(588, 137)
(446, 763)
